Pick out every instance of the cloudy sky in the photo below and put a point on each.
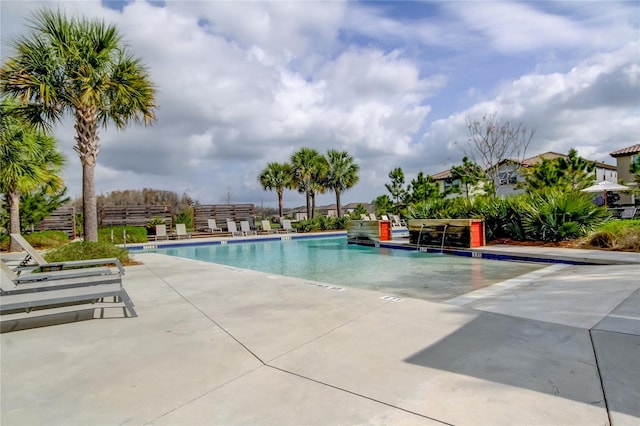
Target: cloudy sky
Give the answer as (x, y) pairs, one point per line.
(241, 84)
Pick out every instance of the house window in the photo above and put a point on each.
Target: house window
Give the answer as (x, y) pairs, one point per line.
(507, 178)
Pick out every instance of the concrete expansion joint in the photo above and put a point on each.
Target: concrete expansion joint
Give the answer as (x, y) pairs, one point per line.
(358, 394)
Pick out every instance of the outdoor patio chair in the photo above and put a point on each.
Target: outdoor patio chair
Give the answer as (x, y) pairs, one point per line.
(266, 227)
(384, 217)
(161, 232)
(212, 226)
(42, 265)
(245, 228)
(286, 226)
(628, 213)
(232, 228)
(181, 231)
(372, 216)
(60, 289)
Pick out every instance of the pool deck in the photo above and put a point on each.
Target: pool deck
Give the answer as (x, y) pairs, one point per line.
(216, 345)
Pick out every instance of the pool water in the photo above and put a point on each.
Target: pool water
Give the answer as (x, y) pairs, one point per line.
(331, 260)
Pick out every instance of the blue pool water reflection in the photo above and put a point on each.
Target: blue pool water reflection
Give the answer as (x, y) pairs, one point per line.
(331, 260)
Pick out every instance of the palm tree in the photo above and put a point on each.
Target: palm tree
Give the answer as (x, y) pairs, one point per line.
(342, 173)
(276, 177)
(30, 162)
(82, 67)
(307, 167)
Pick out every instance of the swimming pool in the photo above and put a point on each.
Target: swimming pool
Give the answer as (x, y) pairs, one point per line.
(330, 260)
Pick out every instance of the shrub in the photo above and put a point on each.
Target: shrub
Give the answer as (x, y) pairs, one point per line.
(135, 234)
(84, 250)
(46, 239)
(310, 225)
(600, 239)
(555, 215)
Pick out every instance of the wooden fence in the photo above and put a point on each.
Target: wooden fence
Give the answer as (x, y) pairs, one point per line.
(221, 212)
(133, 215)
(62, 219)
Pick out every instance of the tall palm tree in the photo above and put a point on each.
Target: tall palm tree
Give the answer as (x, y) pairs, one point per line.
(306, 165)
(82, 67)
(29, 160)
(342, 173)
(318, 181)
(276, 177)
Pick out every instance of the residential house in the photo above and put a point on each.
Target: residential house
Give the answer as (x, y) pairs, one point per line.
(508, 175)
(624, 158)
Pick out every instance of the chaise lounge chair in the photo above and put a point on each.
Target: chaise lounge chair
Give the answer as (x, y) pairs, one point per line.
(266, 228)
(60, 289)
(212, 226)
(286, 226)
(161, 232)
(628, 213)
(42, 265)
(245, 228)
(181, 231)
(232, 228)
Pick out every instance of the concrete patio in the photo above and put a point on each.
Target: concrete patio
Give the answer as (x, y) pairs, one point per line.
(220, 345)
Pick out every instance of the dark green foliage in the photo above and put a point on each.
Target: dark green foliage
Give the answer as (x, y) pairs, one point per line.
(567, 174)
(321, 223)
(422, 188)
(542, 216)
(135, 234)
(468, 174)
(396, 187)
(383, 204)
(555, 215)
(186, 217)
(37, 206)
(84, 250)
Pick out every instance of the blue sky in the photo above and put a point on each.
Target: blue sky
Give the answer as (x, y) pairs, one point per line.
(241, 84)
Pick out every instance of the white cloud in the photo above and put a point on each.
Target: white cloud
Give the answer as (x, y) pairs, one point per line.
(241, 84)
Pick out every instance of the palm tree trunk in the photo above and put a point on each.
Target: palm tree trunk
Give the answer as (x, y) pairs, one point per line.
(87, 148)
(280, 204)
(14, 218)
(89, 208)
(313, 204)
(338, 207)
(308, 196)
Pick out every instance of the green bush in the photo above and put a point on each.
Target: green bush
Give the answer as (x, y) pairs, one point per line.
(618, 226)
(555, 215)
(47, 239)
(135, 234)
(84, 250)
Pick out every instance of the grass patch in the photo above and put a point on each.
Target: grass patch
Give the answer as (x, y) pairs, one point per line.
(85, 250)
(135, 234)
(623, 235)
(39, 239)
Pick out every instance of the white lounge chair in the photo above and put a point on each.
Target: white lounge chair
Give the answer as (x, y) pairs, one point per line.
(372, 216)
(181, 231)
(286, 226)
(384, 217)
(41, 263)
(161, 232)
(212, 226)
(364, 217)
(266, 227)
(245, 228)
(232, 228)
(60, 289)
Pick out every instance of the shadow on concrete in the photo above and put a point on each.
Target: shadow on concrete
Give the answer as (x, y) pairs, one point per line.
(535, 355)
